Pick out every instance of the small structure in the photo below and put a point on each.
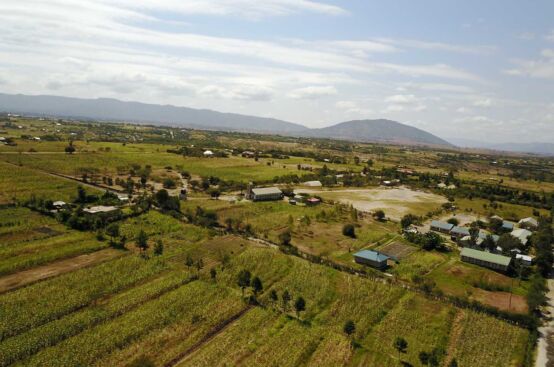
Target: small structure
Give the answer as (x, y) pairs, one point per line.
(459, 232)
(525, 259)
(522, 235)
(485, 259)
(528, 223)
(59, 204)
(265, 194)
(440, 226)
(123, 197)
(313, 201)
(248, 154)
(208, 153)
(507, 225)
(372, 258)
(313, 183)
(100, 209)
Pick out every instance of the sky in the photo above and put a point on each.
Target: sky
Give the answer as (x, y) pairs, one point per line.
(477, 70)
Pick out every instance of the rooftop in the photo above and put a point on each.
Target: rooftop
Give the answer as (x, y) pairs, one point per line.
(486, 256)
(100, 209)
(266, 191)
(460, 230)
(441, 225)
(372, 255)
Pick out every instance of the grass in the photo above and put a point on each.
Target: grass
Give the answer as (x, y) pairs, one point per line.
(19, 183)
(505, 210)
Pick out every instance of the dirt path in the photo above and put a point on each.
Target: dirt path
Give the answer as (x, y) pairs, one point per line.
(455, 332)
(26, 277)
(546, 329)
(212, 334)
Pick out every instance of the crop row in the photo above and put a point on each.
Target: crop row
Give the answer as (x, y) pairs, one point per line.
(42, 302)
(26, 344)
(185, 303)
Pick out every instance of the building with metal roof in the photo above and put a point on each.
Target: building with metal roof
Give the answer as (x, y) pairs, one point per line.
(507, 225)
(522, 235)
(265, 194)
(372, 258)
(459, 232)
(485, 259)
(528, 223)
(100, 209)
(440, 226)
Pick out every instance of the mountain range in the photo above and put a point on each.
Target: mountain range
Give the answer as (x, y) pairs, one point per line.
(108, 109)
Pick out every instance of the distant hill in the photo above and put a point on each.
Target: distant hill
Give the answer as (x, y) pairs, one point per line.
(534, 147)
(378, 130)
(114, 110)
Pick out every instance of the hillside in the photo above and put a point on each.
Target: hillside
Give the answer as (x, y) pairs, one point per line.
(378, 130)
(115, 110)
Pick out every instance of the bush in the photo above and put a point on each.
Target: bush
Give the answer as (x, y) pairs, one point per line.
(349, 230)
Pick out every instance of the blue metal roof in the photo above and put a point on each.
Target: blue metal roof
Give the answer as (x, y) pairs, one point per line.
(372, 255)
(464, 231)
(441, 225)
(508, 225)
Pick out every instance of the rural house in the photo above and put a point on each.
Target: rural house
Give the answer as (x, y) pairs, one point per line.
(528, 223)
(264, 194)
(507, 225)
(100, 209)
(522, 235)
(442, 227)
(372, 258)
(485, 259)
(459, 232)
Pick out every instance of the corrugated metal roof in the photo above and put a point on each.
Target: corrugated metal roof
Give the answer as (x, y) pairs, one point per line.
(464, 231)
(442, 225)
(486, 256)
(372, 255)
(267, 191)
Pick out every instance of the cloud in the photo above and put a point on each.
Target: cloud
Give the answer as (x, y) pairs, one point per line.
(245, 8)
(346, 105)
(550, 37)
(241, 92)
(313, 92)
(483, 102)
(401, 99)
(437, 46)
(526, 36)
(542, 68)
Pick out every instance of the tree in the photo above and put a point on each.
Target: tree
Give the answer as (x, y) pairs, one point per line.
(214, 193)
(453, 221)
(142, 241)
(243, 280)
(349, 230)
(349, 327)
(168, 183)
(273, 296)
(424, 358)
(408, 220)
(113, 231)
(453, 363)
(70, 149)
(81, 195)
(379, 215)
(285, 237)
(213, 273)
(299, 306)
(401, 345)
(257, 286)
(508, 242)
(474, 234)
(286, 297)
(158, 248)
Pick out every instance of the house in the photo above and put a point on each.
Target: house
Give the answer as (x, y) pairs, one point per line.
(59, 204)
(248, 154)
(372, 258)
(313, 183)
(313, 201)
(525, 259)
(123, 197)
(208, 153)
(507, 225)
(497, 218)
(485, 259)
(522, 235)
(459, 232)
(528, 223)
(100, 209)
(442, 227)
(265, 194)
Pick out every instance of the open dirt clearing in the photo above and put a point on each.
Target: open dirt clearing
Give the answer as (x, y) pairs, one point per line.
(395, 202)
(25, 277)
